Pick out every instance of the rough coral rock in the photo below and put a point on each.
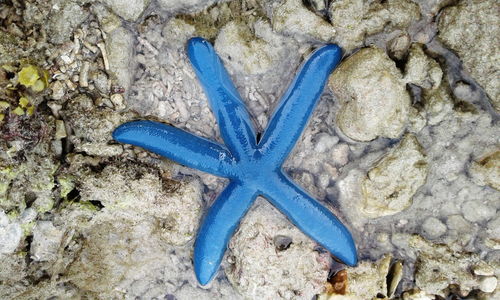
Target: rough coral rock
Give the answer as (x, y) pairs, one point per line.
(10, 234)
(368, 280)
(175, 206)
(291, 17)
(353, 20)
(64, 19)
(438, 267)
(129, 10)
(374, 100)
(391, 184)
(245, 52)
(46, 241)
(119, 257)
(486, 171)
(269, 258)
(119, 48)
(438, 104)
(91, 129)
(422, 70)
(188, 6)
(18, 187)
(472, 30)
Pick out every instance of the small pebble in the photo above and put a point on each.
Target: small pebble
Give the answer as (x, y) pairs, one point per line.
(488, 284)
(60, 130)
(57, 90)
(433, 228)
(117, 100)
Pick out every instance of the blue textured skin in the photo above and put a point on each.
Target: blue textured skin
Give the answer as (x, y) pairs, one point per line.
(253, 167)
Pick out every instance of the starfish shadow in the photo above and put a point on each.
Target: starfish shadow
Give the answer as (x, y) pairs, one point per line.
(253, 167)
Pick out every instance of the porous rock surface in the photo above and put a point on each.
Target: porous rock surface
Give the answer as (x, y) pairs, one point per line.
(391, 184)
(472, 30)
(422, 70)
(374, 101)
(290, 17)
(269, 258)
(175, 206)
(129, 10)
(438, 267)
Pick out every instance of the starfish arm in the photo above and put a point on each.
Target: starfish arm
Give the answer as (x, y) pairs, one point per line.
(312, 218)
(177, 145)
(296, 106)
(232, 116)
(217, 228)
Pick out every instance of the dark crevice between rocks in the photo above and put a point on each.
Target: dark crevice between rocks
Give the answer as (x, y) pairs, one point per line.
(319, 7)
(27, 249)
(455, 74)
(416, 95)
(97, 204)
(74, 195)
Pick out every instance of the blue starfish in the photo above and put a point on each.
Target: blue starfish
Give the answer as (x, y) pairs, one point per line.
(253, 166)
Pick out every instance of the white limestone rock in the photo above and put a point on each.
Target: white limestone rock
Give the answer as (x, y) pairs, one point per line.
(422, 70)
(121, 258)
(438, 104)
(417, 294)
(219, 290)
(129, 10)
(460, 231)
(353, 20)
(367, 280)
(472, 30)
(486, 170)
(391, 184)
(177, 32)
(46, 241)
(488, 284)
(269, 258)
(245, 52)
(373, 96)
(188, 6)
(438, 267)
(63, 20)
(119, 48)
(493, 229)
(175, 206)
(10, 234)
(291, 17)
(108, 20)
